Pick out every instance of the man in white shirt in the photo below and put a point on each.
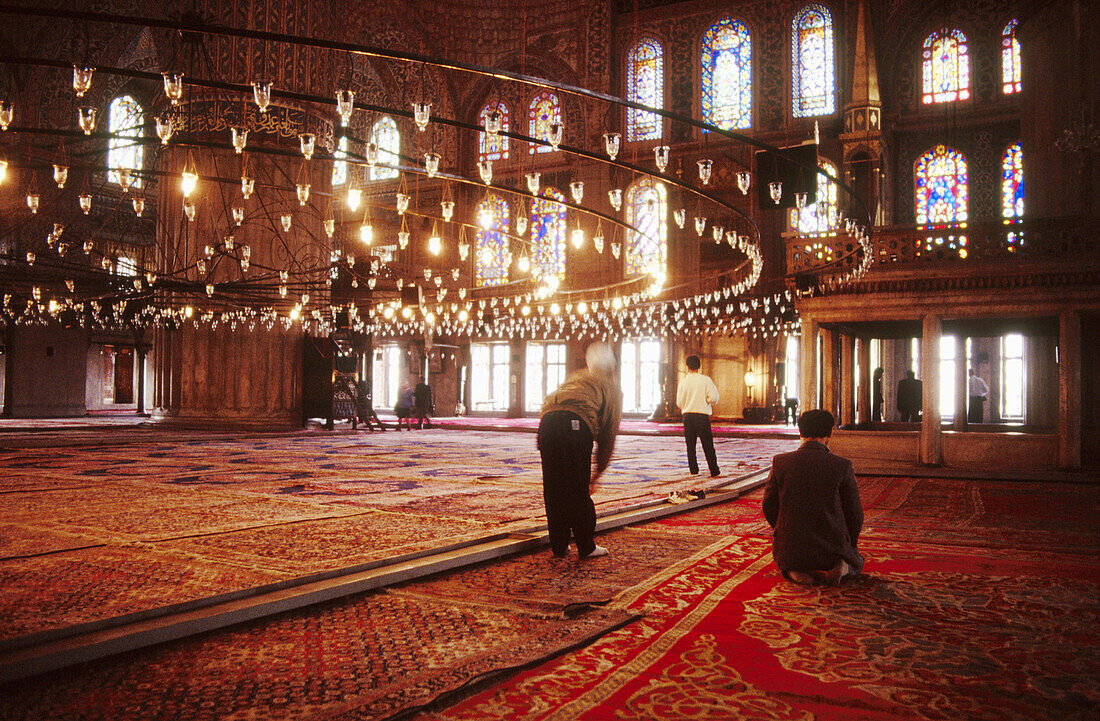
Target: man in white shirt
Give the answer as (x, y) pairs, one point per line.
(695, 395)
(977, 390)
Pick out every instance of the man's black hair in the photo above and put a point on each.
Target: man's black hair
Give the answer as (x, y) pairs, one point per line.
(816, 424)
(693, 362)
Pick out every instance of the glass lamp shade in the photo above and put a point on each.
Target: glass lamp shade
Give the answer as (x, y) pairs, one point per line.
(557, 131)
(230, 242)
(402, 203)
(485, 170)
(139, 205)
(7, 112)
(261, 93)
(431, 164)
(189, 209)
(494, 122)
(30, 258)
(576, 189)
(85, 117)
(822, 209)
(680, 216)
(329, 226)
(85, 201)
(371, 153)
(208, 251)
(717, 232)
(188, 181)
(611, 143)
(744, 180)
(345, 103)
(307, 142)
(3, 170)
(616, 249)
(355, 195)
(597, 240)
(366, 233)
(82, 80)
(660, 157)
(173, 87)
(533, 183)
(521, 221)
(422, 112)
(700, 225)
(577, 238)
(403, 239)
(286, 221)
(165, 128)
(435, 245)
(125, 178)
(775, 190)
(800, 200)
(448, 207)
(615, 195)
(524, 263)
(302, 190)
(248, 185)
(60, 175)
(239, 136)
(88, 246)
(463, 250)
(209, 289)
(706, 166)
(238, 214)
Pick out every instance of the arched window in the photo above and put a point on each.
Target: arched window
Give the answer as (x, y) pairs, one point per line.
(545, 108)
(339, 162)
(493, 257)
(941, 180)
(388, 141)
(645, 84)
(1010, 59)
(946, 63)
(647, 211)
(727, 75)
(125, 123)
(1012, 182)
(814, 82)
(494, 147)
(548, 225)
(820, 217)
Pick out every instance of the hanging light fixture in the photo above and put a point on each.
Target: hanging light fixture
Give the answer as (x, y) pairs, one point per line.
(3, 170)
(238, 214)
(60, 175)
(286, 221)
(188, 208)
(744, 180)
(555, 133)
(165, 128)
(302, 190)
(173, 87)
(403, 239)
(577, 237)
(189, 178)
(435, 243)
(402, 203)
(85, 116)
(533, 183)
(448, 207)
(345, 103)
(138, 202)
(611, 142)
(230, 242)
(775, 189)
(7, 112)
(371, 154)
(700, 225)
(307, 142)
(615, 195)
(660, 157)
(463, 250)
(247, 186)
(431, 163)
(485, 170)
(261, 93)
(366, 232)
(422, 112)
(706, 165)
(82, 80)
(521, 219)
(330, 226)
(246, 257)
(239, 136)
(800, 200)
(125, 178)
(576, 189)
(680, 216)
(355, 195)
(494, 122)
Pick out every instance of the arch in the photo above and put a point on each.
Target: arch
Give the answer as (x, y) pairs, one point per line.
(816, 219)
(945, 61)
(125, 122)
(493, 147)
(813, 79)
(386, 137)
(492, 256)
(646, 210)
(1011, 74)
(941, 187)
(545, 108)
(548, 227)
(645, 84)
(727, 75)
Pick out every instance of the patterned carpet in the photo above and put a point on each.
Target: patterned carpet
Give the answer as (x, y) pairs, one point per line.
(95, 531)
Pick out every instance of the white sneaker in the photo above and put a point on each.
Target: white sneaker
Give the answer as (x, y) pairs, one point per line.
(598, 551)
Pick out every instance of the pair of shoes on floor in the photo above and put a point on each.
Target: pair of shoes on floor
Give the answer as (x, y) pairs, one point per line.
(834, 575)
(677, 497)
(597, 552)
(694, 495)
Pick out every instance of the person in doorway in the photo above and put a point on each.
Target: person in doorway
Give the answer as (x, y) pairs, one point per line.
(876, 395)
(812, 503)
(403, 409)
(978, 391)
(696, 395)
(586, 408)
(910, 397)
(422, 404)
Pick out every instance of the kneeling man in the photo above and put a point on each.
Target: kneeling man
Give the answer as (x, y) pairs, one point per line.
(812, 503)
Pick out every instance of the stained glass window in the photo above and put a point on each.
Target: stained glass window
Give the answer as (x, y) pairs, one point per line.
(645, 82)
(493, 257)
(385, 136)
(941, 181)
(812, 62)
(946, 63)
(727, 75)
(819, 218)
(1010, 59)
(125, 123)
(494, 147)
(545, 108)
(339, 162)
(647, 211)
(1012, 182)
(548, 224)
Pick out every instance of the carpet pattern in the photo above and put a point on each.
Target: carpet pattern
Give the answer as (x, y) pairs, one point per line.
(177, 517)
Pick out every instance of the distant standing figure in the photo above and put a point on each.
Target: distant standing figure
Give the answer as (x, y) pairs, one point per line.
(811, 501)
(422, 404)
(403, 408)
(586, 408)
(877, 399)
(696, 395)
(910, 397)
(978, 391)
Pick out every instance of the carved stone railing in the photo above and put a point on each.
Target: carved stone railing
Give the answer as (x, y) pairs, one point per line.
(965, 245)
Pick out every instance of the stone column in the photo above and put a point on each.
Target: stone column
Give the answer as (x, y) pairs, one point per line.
(863, 401)
(828, 371)
(962, 396)
(807, 360)
(931, 441)
(847, 379)
(1069, 390)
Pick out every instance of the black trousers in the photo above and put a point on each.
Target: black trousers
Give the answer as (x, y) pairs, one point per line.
(565, 444)
(976, 412)
(697, 426)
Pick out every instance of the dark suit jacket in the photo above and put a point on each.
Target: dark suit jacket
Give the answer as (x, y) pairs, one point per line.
(910, 395)
(812, 503)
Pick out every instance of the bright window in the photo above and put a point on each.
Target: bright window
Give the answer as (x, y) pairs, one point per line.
(647, 211)
(1013, 377)
(388, 141)
(814, 219)
(641, 375)
(493, 147)
(493, 256)
(545, 109)
(548, 224)
(947, 377)
(1011, 75)
(125, 265)
(125, 123)
(941, 186)
(727, 75)
(489, 369)
(790, 359)
(644, 84)
(545, 372)
(340, 163)
(946, 65)
(812, 62)
(386, 376)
